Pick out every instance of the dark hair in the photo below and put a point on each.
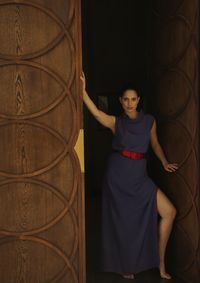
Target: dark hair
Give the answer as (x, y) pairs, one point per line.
(130, 86)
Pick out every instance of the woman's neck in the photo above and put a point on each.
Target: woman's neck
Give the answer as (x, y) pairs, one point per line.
(132, 115)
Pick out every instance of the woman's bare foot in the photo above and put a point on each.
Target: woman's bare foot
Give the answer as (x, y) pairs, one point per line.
(163, 273)
(128, 276)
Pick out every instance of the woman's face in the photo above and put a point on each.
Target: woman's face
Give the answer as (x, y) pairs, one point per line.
(129, 101)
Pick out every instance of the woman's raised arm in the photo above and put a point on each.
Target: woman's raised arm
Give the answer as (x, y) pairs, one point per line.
(103, 118)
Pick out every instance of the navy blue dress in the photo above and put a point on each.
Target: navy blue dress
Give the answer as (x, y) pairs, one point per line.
(129, 211)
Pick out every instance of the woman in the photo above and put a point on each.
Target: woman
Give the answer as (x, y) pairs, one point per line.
(131, 200)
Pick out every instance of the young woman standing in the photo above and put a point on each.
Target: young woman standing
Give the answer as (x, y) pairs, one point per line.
(131, 201)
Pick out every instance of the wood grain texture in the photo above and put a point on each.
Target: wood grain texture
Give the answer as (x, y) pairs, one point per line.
(174, 91)
(41, 185)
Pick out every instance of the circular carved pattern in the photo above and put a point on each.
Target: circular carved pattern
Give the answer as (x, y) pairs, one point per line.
(16, 57)
(178, 31)
(39, 30)
(163, 8)
(31, 147)
(25, 73)
(175, 140)
(183, 257)
(173, 92)
(36, 186)
(62, 9)
(36, 251)
(190, 175)
(174, 182)
(174, 46)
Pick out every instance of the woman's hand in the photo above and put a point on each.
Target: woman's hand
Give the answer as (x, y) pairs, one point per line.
(170, 167)
(82, 77)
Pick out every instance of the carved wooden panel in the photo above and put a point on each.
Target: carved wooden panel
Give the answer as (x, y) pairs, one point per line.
(41, 194)
(174, 92)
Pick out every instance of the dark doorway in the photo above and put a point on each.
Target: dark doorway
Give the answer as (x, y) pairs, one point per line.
(116, 48)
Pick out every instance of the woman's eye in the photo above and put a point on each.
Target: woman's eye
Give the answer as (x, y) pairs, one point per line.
(131, 99)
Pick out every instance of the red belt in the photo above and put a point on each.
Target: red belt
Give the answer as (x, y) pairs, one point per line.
(132, 154)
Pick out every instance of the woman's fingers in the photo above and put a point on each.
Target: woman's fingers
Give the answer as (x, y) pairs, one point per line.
(171, 167)
(174, 164)
(82, 76)
(83, 81)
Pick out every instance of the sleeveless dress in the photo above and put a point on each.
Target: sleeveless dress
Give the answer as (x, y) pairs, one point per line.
(129, 210)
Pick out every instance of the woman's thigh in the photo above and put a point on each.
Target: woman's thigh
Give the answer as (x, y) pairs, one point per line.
(164, 205)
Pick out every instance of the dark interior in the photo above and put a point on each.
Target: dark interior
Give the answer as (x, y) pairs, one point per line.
(115, 49)
(115, 52)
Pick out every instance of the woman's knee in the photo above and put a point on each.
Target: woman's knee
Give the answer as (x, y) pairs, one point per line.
(171, 213)
(165, 208)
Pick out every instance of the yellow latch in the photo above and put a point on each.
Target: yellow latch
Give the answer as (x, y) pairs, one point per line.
(79, 148)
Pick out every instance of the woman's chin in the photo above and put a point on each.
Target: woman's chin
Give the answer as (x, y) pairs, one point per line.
(130, 110)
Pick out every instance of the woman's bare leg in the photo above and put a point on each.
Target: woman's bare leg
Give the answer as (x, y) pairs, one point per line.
(167, 213)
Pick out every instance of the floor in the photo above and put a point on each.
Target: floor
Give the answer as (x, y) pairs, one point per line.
(93, 251)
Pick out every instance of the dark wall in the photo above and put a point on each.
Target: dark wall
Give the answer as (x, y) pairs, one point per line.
(114, 52)
(114, 42)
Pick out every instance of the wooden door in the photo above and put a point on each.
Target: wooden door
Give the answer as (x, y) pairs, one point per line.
(41, 190)
(174, 99)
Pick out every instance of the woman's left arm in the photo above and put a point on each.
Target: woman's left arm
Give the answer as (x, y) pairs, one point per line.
(170, 167)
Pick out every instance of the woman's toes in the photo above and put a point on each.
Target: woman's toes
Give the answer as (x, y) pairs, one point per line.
(128, 276)
(165, 275)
